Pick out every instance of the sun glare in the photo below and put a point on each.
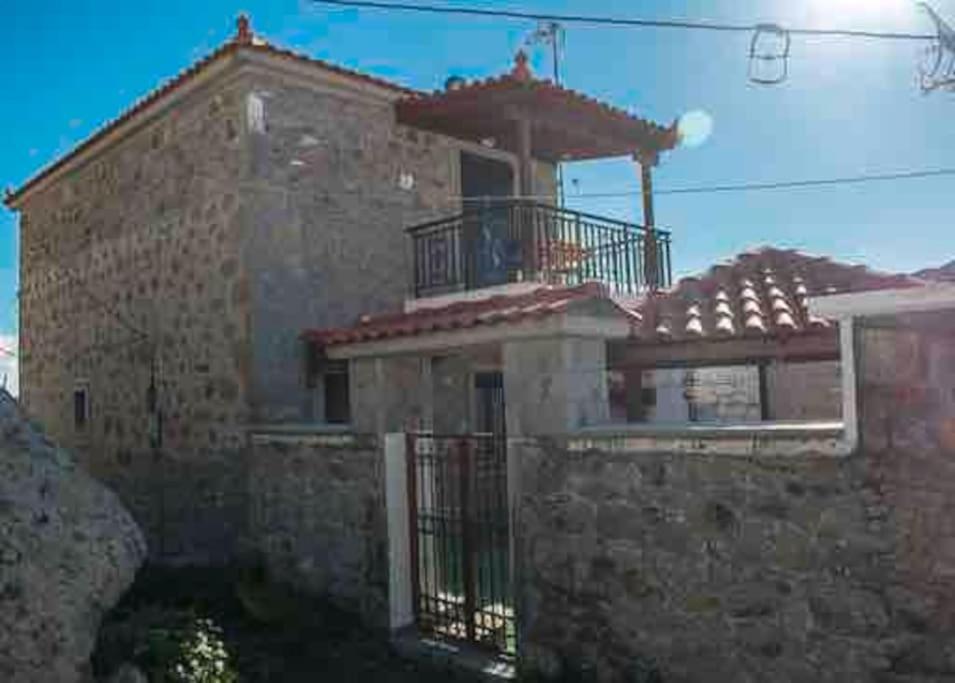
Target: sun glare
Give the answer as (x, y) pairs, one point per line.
(876, 13)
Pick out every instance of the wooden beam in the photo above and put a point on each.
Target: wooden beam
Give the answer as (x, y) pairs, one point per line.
(651, 263)
(524, 157)
(636, 354)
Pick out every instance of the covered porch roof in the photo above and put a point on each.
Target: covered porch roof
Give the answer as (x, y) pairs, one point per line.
(546, 311)
(564, 125)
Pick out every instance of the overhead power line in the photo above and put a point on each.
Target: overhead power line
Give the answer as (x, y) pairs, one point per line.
(749, 187)
(596, 20)
(815, 182)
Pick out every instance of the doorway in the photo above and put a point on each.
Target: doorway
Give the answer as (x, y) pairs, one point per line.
(491, 251)
(489, 412)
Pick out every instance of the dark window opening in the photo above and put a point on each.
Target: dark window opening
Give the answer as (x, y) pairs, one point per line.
(337, 400)
(489, 390)
(742, 392)
(80, 408)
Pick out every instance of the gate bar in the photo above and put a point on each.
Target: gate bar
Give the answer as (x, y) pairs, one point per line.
(464, 453)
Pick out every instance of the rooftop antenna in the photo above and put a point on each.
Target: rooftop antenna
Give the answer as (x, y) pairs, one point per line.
(552, 33)
(938, 70)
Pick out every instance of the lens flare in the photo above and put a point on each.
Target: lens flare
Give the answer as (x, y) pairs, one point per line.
(695, 128)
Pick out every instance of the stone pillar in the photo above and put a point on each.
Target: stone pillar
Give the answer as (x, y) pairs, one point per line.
(391, 394)
(555, 386)
(452, 390)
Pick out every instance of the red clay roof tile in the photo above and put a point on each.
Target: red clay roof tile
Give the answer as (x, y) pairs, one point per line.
(538, 303)
(761, 292)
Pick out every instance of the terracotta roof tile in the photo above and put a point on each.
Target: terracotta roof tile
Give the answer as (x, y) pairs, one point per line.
(538, 303)
(761, 292)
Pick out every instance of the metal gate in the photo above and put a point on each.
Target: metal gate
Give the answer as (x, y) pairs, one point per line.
(460, 538)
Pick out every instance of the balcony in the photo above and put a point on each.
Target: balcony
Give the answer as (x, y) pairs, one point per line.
(520, 241)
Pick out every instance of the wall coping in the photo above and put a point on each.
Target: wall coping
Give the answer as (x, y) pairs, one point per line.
(813, 428)
(770, 439)
(309, 432)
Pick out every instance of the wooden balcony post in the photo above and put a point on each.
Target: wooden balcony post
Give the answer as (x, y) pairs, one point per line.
(651, 263)
(526, 223)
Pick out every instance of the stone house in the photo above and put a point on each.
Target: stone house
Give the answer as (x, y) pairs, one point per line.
(170, 263)
(284, 307)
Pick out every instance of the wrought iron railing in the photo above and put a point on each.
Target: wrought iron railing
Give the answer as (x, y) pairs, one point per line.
(520, 241)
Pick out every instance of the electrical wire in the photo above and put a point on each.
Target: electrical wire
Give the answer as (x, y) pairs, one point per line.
(621, 21)
(815, 182)
(742, 187)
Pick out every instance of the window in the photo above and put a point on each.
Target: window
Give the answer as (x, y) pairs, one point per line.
(327, 382)
(337, 402)
(740, 393)
(80, 407)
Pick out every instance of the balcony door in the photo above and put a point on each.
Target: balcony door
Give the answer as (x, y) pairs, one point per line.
(492, 250)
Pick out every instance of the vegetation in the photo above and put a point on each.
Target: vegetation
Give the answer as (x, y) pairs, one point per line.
(227, 626)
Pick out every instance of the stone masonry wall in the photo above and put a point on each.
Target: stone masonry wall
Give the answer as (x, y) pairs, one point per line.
(714, 567)
(761, 568)
(318, 519)
(332, 184)
(203, 243)
(132, 257)
(906, 374)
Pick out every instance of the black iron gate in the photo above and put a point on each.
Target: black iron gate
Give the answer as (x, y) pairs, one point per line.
(460, 538)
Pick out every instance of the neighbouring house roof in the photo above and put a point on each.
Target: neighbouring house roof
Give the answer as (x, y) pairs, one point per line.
(568, 125)
(932, 296)
(539, 303)
(243, 39)
(758, 293)
(945, 273)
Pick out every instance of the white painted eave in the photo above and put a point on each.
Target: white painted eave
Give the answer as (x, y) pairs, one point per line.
(929, 297)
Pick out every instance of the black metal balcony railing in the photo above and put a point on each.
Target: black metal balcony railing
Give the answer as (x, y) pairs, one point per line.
(520, 241)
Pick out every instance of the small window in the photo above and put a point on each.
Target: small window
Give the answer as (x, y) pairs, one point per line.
(337, 402)
(80, 407)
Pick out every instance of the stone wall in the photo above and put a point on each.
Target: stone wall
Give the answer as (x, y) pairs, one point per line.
(715, 567)
(804, 391)
(332, 184)
(130, 260)
(318, 518)
(554, 385)
(906, 372)
(201, 240)
(813, 567)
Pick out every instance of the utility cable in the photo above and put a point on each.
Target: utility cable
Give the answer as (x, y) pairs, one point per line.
(598, 20)
(742, 187)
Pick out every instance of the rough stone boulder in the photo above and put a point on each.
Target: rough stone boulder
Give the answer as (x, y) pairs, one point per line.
(68, 550)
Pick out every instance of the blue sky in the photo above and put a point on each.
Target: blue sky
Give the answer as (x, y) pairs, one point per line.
(848, 107)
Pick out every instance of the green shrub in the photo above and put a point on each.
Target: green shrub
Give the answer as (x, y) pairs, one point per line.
(172, 645)
(201, 656)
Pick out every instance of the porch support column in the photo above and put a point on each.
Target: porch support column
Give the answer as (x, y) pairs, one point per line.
(651, 265)
(525, 163)
(554, 385)
(524, 217)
